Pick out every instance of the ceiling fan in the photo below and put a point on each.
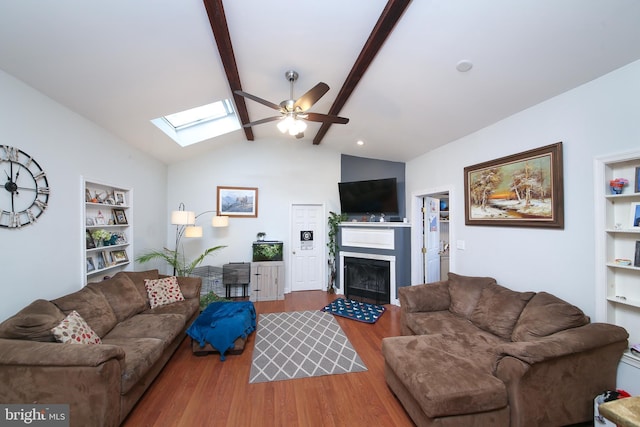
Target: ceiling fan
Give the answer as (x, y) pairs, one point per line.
(293, 112)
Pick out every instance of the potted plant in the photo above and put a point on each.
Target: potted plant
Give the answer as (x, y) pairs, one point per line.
(334, 221)
(208, 298)
(177, 260)
(101, 237)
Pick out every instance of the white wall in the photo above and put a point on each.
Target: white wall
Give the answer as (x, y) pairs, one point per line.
(285, 171)
(46, 260)
(600, 117)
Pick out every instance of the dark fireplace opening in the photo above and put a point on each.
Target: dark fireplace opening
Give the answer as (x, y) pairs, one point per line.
(367, 280)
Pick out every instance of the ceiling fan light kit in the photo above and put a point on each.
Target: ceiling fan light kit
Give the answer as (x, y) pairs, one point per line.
(293, 112)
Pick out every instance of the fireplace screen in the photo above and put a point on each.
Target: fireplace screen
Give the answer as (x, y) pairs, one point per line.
(367, 279)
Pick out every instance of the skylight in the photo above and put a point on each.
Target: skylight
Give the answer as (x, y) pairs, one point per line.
(199, 123)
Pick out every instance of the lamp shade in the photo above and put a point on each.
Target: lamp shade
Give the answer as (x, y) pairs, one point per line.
(183, 217)
(193, 231)
(220, 221)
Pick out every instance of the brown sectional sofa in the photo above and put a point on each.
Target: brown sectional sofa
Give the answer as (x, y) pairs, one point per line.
(100, 382)
(474, 353)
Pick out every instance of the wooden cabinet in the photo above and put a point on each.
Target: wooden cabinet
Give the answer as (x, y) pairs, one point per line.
(267, 281)
(617, 246)
(107, 230)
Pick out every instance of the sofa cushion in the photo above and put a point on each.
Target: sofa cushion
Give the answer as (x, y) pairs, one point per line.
(415, 299)
(74, 330)
(439, 322)
(498, 309)
(92, 305)
(547, 314)
(465, 292)
(186, 308)
(140, 356)
(164, 327)
(442, 382)
(163, 291)
(123, 297)
(34, 322)
(138, 278)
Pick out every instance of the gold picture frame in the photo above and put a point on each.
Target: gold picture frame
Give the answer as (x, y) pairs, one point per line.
(521, 190)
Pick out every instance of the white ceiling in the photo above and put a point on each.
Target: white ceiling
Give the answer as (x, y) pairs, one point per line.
(121, 63)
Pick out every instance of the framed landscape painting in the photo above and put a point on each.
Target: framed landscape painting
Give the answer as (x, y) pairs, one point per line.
(521, 190)
(238, 201)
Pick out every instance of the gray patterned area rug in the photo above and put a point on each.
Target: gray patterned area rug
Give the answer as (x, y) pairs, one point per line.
(301, 344)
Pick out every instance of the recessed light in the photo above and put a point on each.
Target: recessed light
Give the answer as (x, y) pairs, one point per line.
(464, 66)
(360, 142)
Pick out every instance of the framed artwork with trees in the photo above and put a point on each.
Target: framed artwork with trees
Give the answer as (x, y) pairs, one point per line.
(521, 190)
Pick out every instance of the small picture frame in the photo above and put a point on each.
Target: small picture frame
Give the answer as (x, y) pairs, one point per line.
(90, 222)
(635, 215)
(636, 258)
(100, 261)
(638, 179)
(91, 244)
(119, 197)
(121, 238)
(119, 256)
(90, 266)
(120, 216)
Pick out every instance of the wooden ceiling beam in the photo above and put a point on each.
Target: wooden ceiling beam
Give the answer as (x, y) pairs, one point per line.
(220, 29)
(388, 19)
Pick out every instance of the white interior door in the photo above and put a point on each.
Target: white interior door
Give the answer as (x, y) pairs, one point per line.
(432, 239)
(307, 247)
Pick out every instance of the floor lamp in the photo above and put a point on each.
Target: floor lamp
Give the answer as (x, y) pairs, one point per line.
(185, 222)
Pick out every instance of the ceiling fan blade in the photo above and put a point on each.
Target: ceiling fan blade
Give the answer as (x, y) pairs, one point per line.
(311, 97)
(255, 98)
(261, 121)
(325, 118)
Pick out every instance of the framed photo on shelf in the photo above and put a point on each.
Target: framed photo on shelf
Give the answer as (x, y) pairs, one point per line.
(100, 261)
(239, 202)
(91, 244)
(636, 258)
(119, 216)
(635, 215)
(89, 222)
(121, 239)
(119, 256)
(90, 266)
(119, 197)
(520, 190)
(638, 180)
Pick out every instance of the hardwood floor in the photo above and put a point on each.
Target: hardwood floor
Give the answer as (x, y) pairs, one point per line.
(204, 391)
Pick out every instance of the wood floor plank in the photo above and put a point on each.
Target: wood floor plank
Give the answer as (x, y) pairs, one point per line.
(204, 391)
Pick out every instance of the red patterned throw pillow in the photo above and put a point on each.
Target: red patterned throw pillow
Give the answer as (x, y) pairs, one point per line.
(163, 291)
(74, 330)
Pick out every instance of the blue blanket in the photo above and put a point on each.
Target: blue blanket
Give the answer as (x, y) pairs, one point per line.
(221, 323)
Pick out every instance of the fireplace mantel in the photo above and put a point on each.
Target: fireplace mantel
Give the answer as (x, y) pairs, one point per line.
(386, 240)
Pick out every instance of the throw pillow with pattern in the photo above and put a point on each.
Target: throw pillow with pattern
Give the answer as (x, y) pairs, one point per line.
(74, 330)
(163, 291)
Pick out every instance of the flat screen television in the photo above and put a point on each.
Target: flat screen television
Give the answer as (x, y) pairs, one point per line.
(374, 196)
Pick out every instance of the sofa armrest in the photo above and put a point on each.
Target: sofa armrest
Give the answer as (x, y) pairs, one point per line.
(563, 343)
(35, 353)
(426, 297)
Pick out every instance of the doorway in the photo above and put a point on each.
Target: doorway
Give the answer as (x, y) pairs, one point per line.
(431, 258)
(308, 247)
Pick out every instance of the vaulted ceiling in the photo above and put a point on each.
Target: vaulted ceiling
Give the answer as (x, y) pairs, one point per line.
(122, 63)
